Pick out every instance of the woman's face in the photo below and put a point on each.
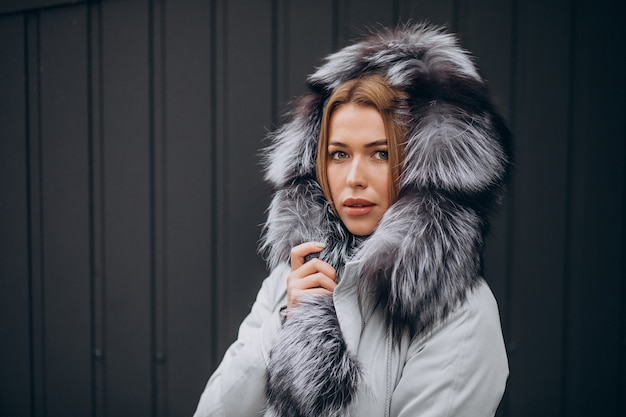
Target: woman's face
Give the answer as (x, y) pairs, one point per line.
(358, 167)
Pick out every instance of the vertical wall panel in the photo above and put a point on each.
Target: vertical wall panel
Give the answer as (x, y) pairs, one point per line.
(15, 358)
(486, 30)
(219, 65)
(539, 227)
(158, 214)
(65, 196)
(97, 212)
(247, 106)
(362, 16)
(188, 170)
(127, 205)
(439, 12)
(35, 226)
(304, 36)
(595, 311)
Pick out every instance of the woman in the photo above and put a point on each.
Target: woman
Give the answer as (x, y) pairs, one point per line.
(385, 177)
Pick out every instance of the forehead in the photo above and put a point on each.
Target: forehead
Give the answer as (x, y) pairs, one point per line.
(350, 121)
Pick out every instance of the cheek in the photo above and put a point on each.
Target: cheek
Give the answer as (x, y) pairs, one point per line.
(333, 182)
(383, 186)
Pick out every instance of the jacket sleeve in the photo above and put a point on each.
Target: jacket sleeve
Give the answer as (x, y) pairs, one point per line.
(460, 369)
(237, 386)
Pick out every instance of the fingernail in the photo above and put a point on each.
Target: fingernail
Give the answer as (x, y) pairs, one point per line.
(321, 245)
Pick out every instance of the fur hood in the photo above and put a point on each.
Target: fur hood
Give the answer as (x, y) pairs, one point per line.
(426, 253)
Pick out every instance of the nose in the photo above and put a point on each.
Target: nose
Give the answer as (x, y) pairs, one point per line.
(357, 174)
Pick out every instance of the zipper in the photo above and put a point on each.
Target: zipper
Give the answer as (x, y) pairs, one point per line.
(389, 390)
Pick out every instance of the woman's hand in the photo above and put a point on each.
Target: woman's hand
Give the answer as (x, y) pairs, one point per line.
(313, 277)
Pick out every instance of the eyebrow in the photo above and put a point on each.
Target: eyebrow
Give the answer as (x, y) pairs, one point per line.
(374, 144)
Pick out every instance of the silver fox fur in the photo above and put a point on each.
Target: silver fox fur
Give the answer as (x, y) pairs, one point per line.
(426, 253)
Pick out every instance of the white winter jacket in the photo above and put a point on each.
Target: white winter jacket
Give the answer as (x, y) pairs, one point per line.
(458, 369)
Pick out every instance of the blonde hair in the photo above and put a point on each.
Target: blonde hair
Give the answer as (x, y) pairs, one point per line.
(374, 91)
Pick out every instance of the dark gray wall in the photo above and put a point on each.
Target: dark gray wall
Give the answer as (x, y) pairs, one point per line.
(131, 197)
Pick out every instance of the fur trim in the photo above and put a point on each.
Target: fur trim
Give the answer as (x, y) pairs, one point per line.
(313, 375)
(424, 259)
(425, 255)
(299, 214)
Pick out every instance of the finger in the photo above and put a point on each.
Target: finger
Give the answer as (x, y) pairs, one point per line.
(313, 266)
(316, 280)
(299, 252)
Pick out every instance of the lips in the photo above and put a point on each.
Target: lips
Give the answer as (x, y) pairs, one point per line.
(357, 207)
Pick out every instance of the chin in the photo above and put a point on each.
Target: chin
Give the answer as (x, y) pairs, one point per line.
(360, 230)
